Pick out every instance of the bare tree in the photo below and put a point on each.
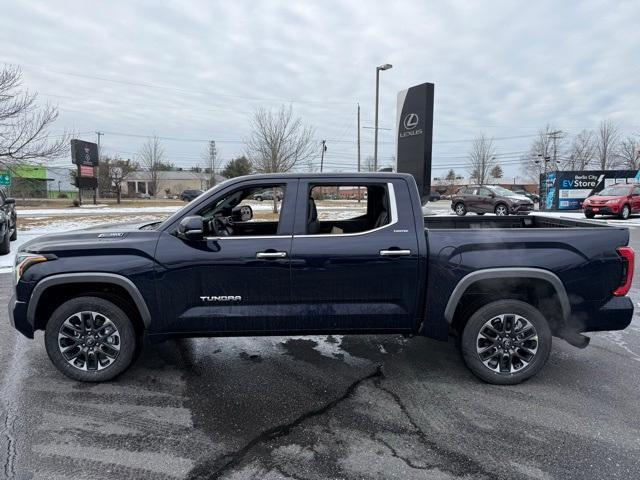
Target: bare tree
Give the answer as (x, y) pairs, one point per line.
(496, 172)
(607, 145)
(278, 141)
(481, 158)
(24, 124)
(152, 159)
(542, 151)
(119, 170)
(582, 151)
(629, 153)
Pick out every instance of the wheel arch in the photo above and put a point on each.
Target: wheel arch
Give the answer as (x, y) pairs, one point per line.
(52, 291)
(516, 276)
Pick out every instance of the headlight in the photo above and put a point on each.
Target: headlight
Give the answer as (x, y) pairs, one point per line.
(24, 261)
(613, 202)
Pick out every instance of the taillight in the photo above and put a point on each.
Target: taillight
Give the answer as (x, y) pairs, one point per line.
(628, 259)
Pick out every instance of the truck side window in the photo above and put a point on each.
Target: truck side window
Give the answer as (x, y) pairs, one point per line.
(266, 205)
(338, 209)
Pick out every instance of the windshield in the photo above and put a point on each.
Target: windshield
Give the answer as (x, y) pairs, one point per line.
(615, 191)
(503, 192)
(188, 206)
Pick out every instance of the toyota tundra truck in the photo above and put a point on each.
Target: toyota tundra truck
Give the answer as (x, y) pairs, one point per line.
(340, 254)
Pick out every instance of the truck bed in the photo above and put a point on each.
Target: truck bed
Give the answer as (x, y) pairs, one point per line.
(525, 221)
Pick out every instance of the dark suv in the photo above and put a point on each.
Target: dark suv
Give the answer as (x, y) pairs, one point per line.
(8, 222)
(483, 199)
(189, 195)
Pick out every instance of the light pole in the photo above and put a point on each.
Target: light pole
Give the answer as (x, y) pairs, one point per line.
(386, 66)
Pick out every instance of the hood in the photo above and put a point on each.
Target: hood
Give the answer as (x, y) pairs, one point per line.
(599, 198)
(519, 197)
(97, 237)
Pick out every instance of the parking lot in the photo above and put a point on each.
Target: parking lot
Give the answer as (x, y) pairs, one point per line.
(321, 407)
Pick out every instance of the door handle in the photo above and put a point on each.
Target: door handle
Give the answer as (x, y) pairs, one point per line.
(271, 255)
(394, 253)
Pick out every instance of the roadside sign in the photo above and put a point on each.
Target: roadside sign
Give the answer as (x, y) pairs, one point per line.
(84, 153)
(86, 171)
(5, 179)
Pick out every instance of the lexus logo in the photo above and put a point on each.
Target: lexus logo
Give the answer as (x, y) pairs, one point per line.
(410, 121)
(410, 124)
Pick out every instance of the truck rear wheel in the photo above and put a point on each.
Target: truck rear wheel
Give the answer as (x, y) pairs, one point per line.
(506, 342)
(90, 339)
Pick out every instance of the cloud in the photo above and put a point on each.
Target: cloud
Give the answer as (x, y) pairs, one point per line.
(196, 70)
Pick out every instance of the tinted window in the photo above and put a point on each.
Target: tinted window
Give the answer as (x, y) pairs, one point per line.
(337, 209)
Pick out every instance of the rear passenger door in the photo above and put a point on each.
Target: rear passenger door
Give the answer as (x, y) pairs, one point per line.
(354, 266)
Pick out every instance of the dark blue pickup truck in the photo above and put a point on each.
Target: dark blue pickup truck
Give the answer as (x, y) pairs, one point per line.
(339, 254)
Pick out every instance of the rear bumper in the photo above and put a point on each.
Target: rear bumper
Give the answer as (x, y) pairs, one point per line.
(18, 317)
(616, 314)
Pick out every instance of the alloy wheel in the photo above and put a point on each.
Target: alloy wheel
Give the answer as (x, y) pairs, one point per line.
(460, 209)
(507, 343)
(89, 341)
(501, 210)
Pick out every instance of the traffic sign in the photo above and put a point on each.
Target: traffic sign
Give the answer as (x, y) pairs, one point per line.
(5, 179)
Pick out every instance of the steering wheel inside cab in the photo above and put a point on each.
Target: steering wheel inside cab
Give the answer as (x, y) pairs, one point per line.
(192, 228)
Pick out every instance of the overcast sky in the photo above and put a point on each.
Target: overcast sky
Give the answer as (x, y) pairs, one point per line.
(194, 71)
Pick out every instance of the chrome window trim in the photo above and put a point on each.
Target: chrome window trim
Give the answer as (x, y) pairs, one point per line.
(248, 237)
(393, 207)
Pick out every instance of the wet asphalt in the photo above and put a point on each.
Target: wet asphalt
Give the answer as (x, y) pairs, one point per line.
(367, 407)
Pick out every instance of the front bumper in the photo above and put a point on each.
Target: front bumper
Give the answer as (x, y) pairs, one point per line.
(18, 317)
(520, 209)
(616, 314)
(602, 210)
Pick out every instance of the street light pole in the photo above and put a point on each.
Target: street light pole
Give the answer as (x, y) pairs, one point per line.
(386, 66)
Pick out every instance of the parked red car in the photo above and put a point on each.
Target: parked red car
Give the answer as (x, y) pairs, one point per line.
(621, 199)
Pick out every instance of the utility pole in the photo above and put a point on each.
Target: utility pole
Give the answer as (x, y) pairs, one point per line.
(324, 149)
(358, 148)
(358, 137)
(95, 190)
(212, 158)
(555, 136)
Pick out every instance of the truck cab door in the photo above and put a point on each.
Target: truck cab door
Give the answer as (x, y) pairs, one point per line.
(230, 283)
(354, 266)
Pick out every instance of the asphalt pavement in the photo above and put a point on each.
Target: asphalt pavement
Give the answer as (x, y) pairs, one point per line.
(366, 407)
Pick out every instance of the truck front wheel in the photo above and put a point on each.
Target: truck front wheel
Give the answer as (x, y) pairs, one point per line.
(90, 339)
(506, 342)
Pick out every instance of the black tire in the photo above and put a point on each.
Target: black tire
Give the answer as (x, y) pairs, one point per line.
(460, 209)
(127, 341)
(474, 341)
(589, 214)
(501, 210)
(625, 213)
(480, 213)
(5, 243)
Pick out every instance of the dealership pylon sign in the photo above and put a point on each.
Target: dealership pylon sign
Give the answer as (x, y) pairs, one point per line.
(415, 134)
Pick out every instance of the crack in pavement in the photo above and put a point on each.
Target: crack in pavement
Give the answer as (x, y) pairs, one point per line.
(203, 471)
(395, 454)
(454, 458)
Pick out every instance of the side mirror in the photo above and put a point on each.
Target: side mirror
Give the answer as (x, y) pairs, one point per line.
(9, 201)
(191, 228)
(242, 213)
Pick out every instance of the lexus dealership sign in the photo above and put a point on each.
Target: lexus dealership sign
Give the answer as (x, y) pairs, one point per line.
(415, 132)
